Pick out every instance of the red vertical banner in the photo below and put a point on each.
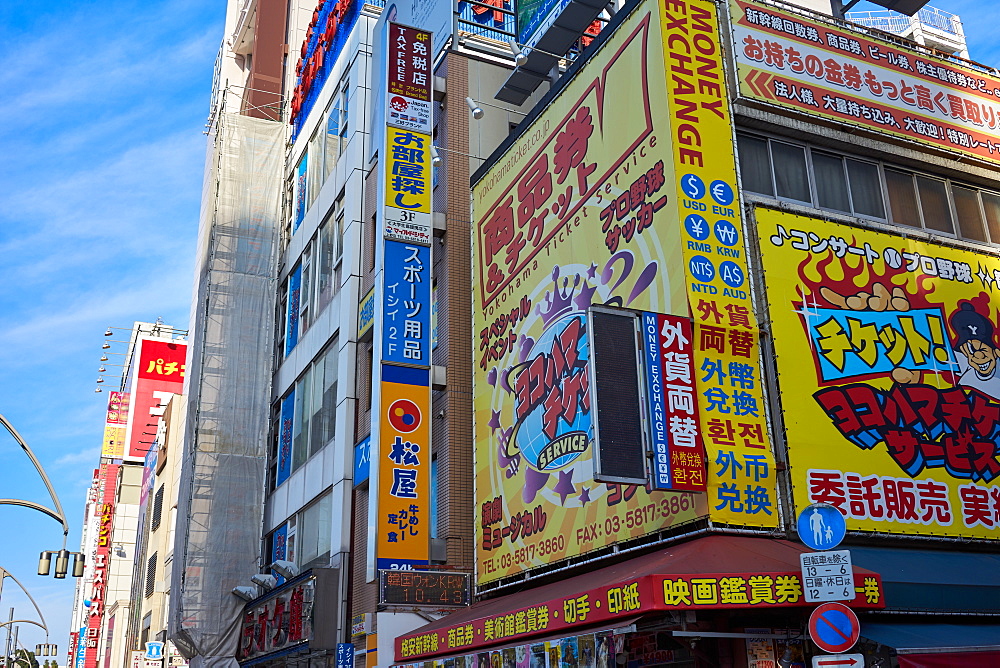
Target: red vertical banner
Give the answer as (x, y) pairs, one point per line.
(687, 450)
(408, 99)
(159, 373)
(108, 480)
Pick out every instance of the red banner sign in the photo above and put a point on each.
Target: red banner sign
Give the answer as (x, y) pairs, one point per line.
(626, 599)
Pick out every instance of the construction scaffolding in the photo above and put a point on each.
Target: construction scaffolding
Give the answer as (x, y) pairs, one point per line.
(221, 489)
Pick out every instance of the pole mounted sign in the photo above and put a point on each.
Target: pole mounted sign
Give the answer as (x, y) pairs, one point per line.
(821, 526)
(834, 627)
(839, 661)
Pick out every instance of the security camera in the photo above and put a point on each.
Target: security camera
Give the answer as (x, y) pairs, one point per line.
(246, 593)
(286, 569)
(268, 582)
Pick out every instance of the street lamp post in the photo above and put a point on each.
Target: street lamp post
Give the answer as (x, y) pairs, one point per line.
(62, 556)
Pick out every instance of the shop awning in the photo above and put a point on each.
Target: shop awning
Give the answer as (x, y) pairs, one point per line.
(922, 645)
(713, 572)
(935, 580)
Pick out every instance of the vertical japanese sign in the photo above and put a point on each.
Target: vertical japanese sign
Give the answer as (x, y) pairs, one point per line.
(408, 136)
(678, 451)
(108, 488)
(399, 516)
(158, 373)
(827, 70)
(408, 104)
(576, 213)
(731, 398)
(406, 304)
(404, 468)
(114, 425)
(887, 354)
(287, 418)
(292, 318)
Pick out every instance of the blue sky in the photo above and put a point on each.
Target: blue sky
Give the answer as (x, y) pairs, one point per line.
(101, 157)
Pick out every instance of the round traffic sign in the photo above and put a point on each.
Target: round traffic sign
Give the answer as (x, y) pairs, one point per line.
(821, 526)
(834, 627)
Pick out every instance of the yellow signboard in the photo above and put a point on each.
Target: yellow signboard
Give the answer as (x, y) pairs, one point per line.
(404, 461)
(580, 211)
(887, 359)
(408, 170)
(741, 476)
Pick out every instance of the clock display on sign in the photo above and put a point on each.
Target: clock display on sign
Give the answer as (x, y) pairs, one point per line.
(430, 589)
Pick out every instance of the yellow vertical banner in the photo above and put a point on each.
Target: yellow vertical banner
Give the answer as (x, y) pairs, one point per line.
(741, 476)
(404, 461)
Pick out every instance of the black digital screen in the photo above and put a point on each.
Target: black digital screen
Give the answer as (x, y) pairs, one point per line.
(621, 451)
(433, 589)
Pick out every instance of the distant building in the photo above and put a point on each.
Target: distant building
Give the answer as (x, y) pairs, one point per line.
(153, 369)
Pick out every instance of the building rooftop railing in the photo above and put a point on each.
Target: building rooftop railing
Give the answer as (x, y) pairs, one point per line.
(897, 23)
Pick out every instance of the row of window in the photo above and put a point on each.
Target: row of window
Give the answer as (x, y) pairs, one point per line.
(874, 190)
(311, 285)
(305, 419)
(321, 155)
(304, 539)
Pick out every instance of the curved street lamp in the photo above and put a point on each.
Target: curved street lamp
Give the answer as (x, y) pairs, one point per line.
(62, 556)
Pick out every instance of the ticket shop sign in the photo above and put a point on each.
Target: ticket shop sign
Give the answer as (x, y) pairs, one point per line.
(887, 355)
(404, 453)
(753, 590)
(786, 59)
(731, 407)
(603, 604)
(624, 599)
(578, 212)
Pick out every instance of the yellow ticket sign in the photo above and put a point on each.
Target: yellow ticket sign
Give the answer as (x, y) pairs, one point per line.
(580, 211)
(887, 358)
(741, 478)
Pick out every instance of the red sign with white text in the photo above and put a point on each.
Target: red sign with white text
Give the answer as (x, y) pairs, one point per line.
(108, 487)
(408, 98)
(159, 374)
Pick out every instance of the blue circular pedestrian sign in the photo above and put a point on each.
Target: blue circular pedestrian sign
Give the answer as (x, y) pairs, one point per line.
(834, 627)
(821, 526)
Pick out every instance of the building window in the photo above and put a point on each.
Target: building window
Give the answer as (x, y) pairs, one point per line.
(150, 576)
(329, 251)
(314, 533)
(306, 416)
(845, 184)
(157, 509)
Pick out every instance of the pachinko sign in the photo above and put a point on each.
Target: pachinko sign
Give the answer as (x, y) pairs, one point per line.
(825, 70)
(576, 213)
(887, 355)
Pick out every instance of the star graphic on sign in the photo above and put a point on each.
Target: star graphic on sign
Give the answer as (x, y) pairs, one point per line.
(565, 486)
(584, 496)
(592, 271)
(582, 300)
(494, 422)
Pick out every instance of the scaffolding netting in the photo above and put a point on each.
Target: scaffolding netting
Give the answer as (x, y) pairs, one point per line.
(221, 495)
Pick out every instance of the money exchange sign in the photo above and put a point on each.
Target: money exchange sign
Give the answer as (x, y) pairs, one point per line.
(576, 213)
(887, 357)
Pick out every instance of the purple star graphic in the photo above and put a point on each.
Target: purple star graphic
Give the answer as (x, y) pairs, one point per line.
(584, 496)
(533, 481)
(582, 300)
(565, 486)
(592, 272)
(494, 422)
